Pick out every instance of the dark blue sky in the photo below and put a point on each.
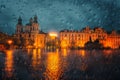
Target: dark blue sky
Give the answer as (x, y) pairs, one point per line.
(61, 14)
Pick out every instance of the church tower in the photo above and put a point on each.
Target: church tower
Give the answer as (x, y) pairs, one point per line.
(19, 26)
(34, 25)
(35, 19)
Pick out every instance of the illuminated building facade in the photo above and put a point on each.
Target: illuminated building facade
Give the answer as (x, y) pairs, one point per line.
(30, 33)
(32, 36)
(71, 38)
(52, 40)
(113, 40)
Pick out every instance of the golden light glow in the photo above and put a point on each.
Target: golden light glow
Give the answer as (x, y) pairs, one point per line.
(82, 53)
(64, 52)
(36, 56)
(10, 42)
(9, 63)
(64, 44)
(52, 71)
(53, 34)
(28, 50)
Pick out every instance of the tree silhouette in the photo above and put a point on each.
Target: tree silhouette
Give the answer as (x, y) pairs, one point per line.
(93, 45)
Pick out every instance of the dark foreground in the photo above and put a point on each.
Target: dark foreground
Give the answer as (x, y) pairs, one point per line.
(60, 65)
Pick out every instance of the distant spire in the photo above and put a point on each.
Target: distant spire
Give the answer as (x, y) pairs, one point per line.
(35, 19)
(20, 20)
(31, 20)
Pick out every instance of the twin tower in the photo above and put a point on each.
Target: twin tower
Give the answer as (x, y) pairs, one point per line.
(31, 27)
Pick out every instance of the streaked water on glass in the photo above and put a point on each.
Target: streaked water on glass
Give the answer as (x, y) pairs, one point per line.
(37, 64)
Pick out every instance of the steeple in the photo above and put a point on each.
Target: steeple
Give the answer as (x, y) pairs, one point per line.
(35, 19)
(31, 20)
(20, 20)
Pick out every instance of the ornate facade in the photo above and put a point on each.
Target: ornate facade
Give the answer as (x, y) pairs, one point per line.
(71, 38)
(30, 33)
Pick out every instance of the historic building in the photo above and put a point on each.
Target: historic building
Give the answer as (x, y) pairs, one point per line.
(52, 41)
(30, 33)
(33, 37)
(113, 40)
(71, 38)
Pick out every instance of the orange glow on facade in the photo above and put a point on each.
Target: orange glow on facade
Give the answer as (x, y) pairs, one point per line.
(9, 63)
(39, 41)
(79, 38)
(32, 34)
(64, 44)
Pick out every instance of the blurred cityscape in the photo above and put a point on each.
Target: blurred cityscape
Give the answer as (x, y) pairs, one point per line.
(30, 36)
(59, 40)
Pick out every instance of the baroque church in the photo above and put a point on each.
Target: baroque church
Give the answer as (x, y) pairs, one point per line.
(30, 33)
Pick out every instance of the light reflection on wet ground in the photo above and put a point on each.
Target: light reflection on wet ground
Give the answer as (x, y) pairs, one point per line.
(37, 64)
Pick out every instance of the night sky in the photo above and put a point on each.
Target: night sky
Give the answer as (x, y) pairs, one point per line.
(61, 14)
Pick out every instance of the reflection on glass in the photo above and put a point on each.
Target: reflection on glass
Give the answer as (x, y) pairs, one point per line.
(52, 66)
(83, 66)
(107, 52)
(64, 52)
(28, 50)
(9, 63)
(82, 53)
(57, 50)
(36, 58)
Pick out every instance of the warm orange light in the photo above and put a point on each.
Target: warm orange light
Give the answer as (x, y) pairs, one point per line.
(64, 44)
(52, 69)
(9, 63)
(53, 34)
(64, 52)
(10, 41)
(36, 56)
(82, 53)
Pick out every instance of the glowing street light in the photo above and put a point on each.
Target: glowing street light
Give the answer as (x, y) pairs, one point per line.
(10, 42)
(54, 34)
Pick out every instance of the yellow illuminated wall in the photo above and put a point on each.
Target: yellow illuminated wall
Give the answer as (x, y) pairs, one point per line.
(9, 63)
(81, 37)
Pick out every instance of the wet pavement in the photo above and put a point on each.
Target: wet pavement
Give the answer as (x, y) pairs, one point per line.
(37, 64)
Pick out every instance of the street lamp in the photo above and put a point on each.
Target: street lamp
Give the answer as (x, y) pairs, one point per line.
(9, 42)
